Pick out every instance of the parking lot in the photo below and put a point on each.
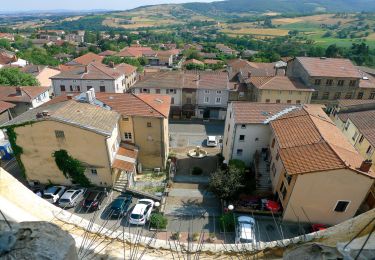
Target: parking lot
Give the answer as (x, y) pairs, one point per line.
(193, 133)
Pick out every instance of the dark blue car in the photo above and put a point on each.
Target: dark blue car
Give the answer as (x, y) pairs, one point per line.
(120, 205)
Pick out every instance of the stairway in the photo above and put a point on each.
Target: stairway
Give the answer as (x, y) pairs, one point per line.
(263, 178)
(122, 182)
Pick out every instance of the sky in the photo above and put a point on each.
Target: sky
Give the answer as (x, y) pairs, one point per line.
(30, 5)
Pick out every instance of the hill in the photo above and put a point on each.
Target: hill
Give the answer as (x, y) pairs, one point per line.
(282, 6)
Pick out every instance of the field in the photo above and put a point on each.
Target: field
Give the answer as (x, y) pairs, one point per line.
(256, 32)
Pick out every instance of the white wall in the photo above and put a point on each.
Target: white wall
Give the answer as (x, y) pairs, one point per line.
(41, 99)
(113, 143)
(177, 97)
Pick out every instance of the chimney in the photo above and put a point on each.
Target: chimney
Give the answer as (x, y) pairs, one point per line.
(86, 70)
(19, 91)
(111, 64)
(366, 165)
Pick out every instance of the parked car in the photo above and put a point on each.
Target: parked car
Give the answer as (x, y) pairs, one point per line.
(141, 212)
(120, 205)
(211, 141)
(93, 200)
(245, 230)
(71, 197)
(54, 193)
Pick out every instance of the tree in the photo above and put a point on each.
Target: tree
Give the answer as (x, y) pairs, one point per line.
(332, 51)
(11, 76)
(226, 184)
(5, 44)
(268, 22)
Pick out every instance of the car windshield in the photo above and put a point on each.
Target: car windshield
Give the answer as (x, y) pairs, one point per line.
(117, 203)
(136, 216)
(64, 200)
(246, 222)
(47, 196)
(143, 202)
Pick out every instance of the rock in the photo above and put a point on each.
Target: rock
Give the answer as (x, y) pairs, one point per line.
(36, 240)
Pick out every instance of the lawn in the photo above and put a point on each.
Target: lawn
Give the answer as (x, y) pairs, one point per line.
(257, 31)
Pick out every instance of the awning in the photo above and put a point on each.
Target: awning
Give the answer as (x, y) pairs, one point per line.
(125, 159)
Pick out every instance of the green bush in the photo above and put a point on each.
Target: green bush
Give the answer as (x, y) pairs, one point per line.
(227, 222)
(197, 171)
(158, 221)
(237, 164)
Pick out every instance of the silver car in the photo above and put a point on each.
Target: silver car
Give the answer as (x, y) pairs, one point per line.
(53, 194)
(71, 198)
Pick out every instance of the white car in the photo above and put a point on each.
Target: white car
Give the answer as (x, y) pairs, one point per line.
(141, 212)
(71, 198)
(211, 141)
(245, 230)
(54, 193)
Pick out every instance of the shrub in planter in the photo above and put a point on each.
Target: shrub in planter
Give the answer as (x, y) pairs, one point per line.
(195, 236)
(158, 221)
(212, 237)
(197, 171)
(176, 236)
(227, 222)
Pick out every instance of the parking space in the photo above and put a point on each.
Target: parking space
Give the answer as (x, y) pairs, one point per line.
(193, 133)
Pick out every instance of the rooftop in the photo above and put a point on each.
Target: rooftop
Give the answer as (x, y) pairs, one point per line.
(329, 67)
(256, 113)
(86, 59)
(82, 115)
(364, 121)
(354, 102)
(27, 94)
(279, 83)
(146, 105)
(310, 142)
(5, 106)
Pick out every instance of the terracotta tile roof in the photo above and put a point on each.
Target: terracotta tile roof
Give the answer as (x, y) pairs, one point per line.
(86, 59)
(145, 105)
(310, 142)
(329, 67)
(9, 93)
(126, 68)
(136, 51)
(5, 106)
(186, 79)
(366, 69)
(211, 61)
(259, 69)
(95, 71)
(367, 81)
(107, 53)
(125, 159)
(364, 121)
(354, 102)
(193, 61)
(82, 115)
(279, 83)
(255, 113)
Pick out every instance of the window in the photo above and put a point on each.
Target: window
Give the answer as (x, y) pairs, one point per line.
(325, 95)
(329, 82)
(361, 139)
(218, 100)
(355, 136)
(218, 92)
(239, 152)
(188, 100)
(241, 94)
(94, 171)
(360, 95)
(317, 82)
(149, 124)
(206, 91)
(102, 88)
(290, 92)
(298, 101)
(341, 205)
(206, 99)
(348, 95)
(71, 88)
(273, 168)
(243, 126)
(172, 101)
(337, 95)
(242, 138)
(277, 100)
(372, 95)
(125, 118)
(62, 88)
(171, 91)
(340, 82)
(157, 91)
(78, 88)
(273, 143)
(277, 156)
(352, 83)
(288, 178)
(347, 124)
(128, 136)
(267, 101)
(289, 101)
(89, 87)
(369, 150)
(59, 134)
(145, 90)
(314, 95)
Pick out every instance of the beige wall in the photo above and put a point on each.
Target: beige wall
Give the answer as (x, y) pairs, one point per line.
(316, 195)
(153, 142)
(304, 97)
(39, 142)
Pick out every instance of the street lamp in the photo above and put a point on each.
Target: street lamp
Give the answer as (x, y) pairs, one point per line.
(231, 207)
(157, 204)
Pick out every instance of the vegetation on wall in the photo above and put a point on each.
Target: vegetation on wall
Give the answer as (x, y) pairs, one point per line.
(71, 167)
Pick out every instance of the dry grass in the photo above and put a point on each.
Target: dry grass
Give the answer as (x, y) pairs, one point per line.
(286, 20)
(315, 19)
(256, 31)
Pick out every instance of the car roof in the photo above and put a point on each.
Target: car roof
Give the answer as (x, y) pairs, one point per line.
(68, 194)
(118, 202)
(246, 231)
(93, 194)
(53, 189)
(139, 209)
